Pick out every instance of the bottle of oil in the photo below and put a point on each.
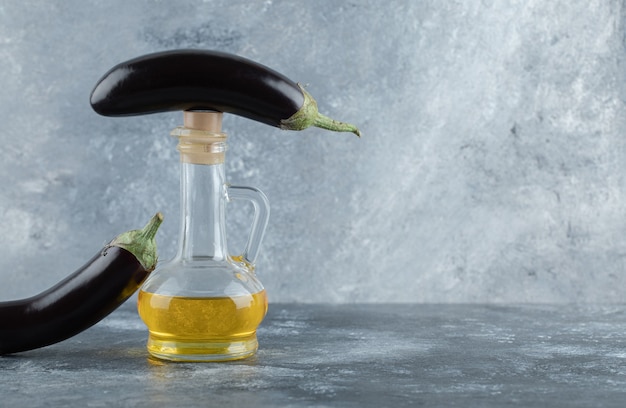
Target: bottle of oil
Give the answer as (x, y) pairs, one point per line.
(205, 304)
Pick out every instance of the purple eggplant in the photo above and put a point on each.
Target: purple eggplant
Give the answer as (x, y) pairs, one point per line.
(83, 298)
(208, 80)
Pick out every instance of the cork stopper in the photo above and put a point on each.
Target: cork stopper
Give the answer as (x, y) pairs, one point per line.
(200, 140)
(210, 121)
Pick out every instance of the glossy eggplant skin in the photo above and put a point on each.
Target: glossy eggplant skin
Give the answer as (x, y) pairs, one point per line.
(73, 305)
(197, 80)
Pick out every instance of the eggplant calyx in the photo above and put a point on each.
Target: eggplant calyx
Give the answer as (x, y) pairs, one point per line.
(141, 243)
(308, 115)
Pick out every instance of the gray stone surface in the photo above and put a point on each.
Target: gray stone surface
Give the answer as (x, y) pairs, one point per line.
(348, 356)
(491, 166)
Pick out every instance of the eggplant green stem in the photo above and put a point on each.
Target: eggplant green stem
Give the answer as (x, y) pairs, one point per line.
(308, 115)
(141, 243)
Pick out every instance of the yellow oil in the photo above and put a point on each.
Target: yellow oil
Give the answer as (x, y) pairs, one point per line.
(202, 329)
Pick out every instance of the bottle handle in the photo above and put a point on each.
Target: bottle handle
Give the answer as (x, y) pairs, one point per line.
(259, 223)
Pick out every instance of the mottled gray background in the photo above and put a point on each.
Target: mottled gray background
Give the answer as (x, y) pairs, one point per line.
(492, 166)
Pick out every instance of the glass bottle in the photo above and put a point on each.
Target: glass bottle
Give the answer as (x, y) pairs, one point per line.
(205, 304)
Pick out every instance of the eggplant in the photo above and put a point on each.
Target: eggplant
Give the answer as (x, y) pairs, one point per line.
(208, 80)
(83, 298)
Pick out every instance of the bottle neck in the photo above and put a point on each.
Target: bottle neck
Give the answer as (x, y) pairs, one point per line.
(203, 196)
(202, 149)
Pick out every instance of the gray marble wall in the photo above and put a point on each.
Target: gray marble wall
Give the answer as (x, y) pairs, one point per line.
(491, 169)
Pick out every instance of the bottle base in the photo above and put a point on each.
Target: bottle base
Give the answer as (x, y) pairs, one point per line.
(213, 350)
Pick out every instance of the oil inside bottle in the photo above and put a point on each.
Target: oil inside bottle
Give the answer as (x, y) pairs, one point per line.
(202, 329)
